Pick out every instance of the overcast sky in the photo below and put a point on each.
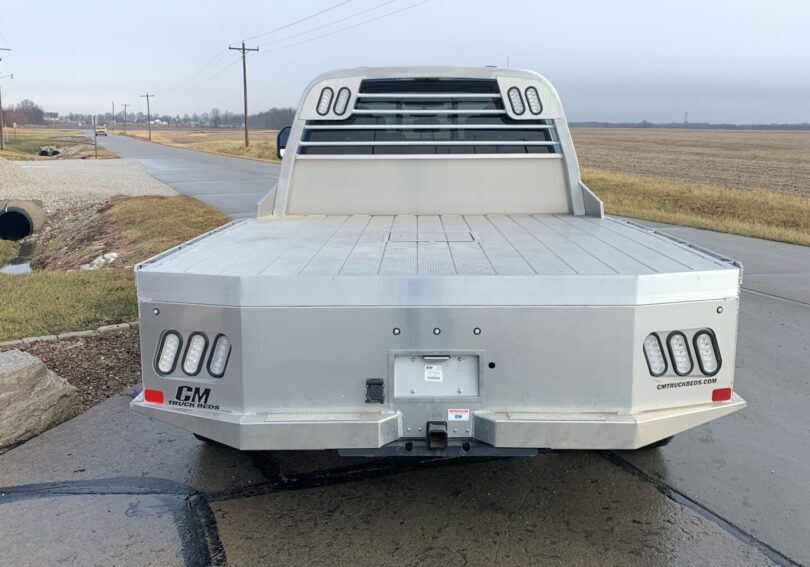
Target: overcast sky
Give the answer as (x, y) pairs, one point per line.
(625, 60)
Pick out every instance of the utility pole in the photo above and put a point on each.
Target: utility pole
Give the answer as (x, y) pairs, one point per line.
(686, 120)
(147, 96)
(113, 118)
(125, 105)
(244, 51)
(2, 134)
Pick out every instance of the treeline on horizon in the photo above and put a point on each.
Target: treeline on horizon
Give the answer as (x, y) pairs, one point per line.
(691, 125)
(28, 112)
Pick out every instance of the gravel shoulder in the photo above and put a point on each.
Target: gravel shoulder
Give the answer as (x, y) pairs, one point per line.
(62, 184)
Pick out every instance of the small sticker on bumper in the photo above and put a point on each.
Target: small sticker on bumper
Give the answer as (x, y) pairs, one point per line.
(458, 415)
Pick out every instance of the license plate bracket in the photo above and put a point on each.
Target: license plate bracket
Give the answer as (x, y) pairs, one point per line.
(436, 375)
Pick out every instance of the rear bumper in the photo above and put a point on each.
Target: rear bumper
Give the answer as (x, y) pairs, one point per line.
(363, 430)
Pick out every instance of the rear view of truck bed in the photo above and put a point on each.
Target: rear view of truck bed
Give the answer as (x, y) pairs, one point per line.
(430, 275)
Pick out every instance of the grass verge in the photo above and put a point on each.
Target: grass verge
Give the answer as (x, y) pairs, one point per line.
(26, 142)
(47, 303)
(224, 141)
(52, 300)
(760, 214)
(8, 250)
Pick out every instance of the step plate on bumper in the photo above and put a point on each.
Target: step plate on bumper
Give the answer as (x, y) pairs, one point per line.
(362, 430)
(595, 430)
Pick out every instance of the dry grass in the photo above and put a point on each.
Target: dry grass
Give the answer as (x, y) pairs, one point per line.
(51, 300)
(776, 161)
(742, 182)
(132, 227)
(26, 142)
(218, 141)
(761, 214)
(44, 303)
(8, 250)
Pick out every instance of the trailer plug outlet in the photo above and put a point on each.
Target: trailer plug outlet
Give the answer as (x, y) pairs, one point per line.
(437, 434)
(375, 391)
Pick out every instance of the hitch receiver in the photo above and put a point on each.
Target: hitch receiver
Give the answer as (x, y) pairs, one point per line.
(436, 434)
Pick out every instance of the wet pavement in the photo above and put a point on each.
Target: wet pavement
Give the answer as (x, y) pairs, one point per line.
(111, 487)
(233, 185)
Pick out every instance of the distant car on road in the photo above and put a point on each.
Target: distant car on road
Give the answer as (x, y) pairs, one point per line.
(101, 130)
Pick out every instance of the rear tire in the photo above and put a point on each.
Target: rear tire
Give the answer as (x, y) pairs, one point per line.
(660, 443)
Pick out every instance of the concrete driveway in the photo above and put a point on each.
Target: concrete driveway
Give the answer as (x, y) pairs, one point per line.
(113, 488)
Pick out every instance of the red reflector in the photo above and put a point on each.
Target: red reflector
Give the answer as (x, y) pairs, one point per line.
(153, 396)
(721, 394)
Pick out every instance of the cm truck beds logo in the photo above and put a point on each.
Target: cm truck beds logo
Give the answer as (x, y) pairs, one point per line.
(192, 397)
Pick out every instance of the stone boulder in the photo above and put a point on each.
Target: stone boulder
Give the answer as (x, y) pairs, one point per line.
(32, 397)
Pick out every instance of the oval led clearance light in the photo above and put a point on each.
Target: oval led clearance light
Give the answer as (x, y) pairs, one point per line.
(533, 98)
(219, 356)
(516, 100)
(679, 352)
(167, 352)
(654, 353)
(342, 101)
(325, 101)
(707, 352)
(195, 350)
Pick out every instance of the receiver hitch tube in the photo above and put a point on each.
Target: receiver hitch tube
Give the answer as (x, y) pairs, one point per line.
(436, 434)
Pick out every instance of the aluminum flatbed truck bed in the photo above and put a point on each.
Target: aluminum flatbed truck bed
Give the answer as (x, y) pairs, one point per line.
(425, 299)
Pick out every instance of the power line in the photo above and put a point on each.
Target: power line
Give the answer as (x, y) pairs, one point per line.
(244, 50)
(215, 75)
(210, 63)
(285, 26)
(147, 96)
(364, 22)
(125, 105)
(380, 5)
(208, 78)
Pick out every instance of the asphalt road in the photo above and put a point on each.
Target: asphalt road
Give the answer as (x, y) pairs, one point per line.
(233, 185)
(111, 487)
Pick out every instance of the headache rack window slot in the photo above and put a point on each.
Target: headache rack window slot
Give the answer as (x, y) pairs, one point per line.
(429, 85)
(430, 112)
(429, 116)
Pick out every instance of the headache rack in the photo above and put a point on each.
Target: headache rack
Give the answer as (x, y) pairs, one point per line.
(429, 116)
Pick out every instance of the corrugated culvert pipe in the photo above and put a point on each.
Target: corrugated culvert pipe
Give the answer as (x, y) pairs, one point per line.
(19, 218)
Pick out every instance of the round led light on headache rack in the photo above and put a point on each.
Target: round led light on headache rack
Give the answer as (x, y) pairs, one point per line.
(195, 350)
(516, 100)
(654, 353)
(679, 352)
(342, 101)
(219, 356)
(708, 353)
(533, 98)
(325, 101)
(168, 349)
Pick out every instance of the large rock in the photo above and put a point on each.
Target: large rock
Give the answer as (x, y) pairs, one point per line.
(32, 397)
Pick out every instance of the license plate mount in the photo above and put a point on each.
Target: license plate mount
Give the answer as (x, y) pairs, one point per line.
(442, 375)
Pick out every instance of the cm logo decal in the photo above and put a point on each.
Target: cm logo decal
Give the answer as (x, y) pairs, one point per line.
(193, 397)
